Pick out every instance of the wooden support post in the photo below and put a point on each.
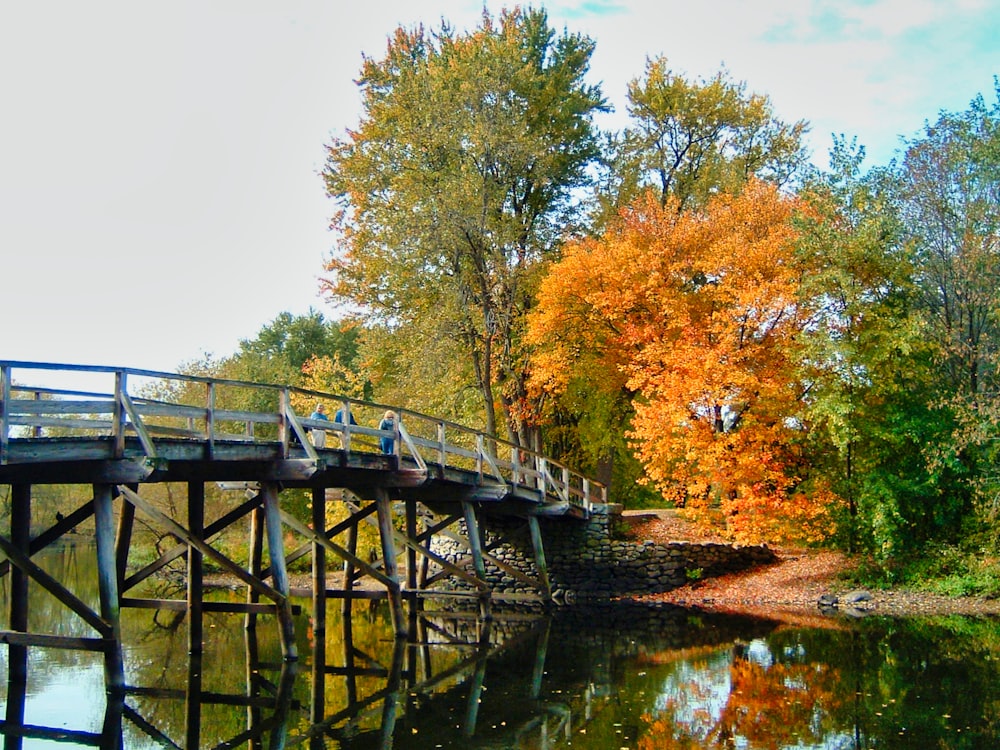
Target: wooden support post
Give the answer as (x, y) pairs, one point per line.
(4, 412)
(536, 545)
(192, 704)
(384, 508)
(254, 564)
(17, 694)
(393, 692)
(349, 652)
(352, 548)
(107, 579)
(123, 538)
(541, 652)
(118, 428)
(276, 551)
(476, 548)
(475, 698)
(411, 553)
(20, 537)
(195, 582)
(317, 704)
(253, 675)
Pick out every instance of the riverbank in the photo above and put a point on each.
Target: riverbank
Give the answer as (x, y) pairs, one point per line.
(794, 585)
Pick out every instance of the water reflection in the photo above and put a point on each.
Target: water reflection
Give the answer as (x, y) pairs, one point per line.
(617, 676)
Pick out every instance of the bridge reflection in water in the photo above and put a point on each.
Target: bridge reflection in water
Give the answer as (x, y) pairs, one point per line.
(443, 661)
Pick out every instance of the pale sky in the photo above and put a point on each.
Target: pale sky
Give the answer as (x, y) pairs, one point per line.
(159, 161)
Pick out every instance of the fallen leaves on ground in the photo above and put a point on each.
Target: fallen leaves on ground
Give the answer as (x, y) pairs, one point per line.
(790, 587)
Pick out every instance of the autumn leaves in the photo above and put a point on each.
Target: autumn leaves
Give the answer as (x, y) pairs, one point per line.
(696, 314)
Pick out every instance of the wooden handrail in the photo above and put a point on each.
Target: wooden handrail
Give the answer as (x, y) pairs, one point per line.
(163, 412)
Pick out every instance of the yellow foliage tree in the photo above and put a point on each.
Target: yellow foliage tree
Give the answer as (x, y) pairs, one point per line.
(696, 313)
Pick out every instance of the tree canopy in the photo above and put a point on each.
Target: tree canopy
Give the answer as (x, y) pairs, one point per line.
(459, 179)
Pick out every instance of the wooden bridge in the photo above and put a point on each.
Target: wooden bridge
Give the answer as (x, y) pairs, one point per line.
(125, 433)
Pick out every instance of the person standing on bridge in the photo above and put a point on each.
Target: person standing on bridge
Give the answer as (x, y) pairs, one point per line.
(318, 433)
(388, 423)
(339, 418)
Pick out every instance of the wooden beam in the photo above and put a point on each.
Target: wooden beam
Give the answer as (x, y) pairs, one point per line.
(43, 640)
(318, 698)
(54, 532)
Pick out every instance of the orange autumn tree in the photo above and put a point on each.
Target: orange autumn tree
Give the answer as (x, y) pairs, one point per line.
(695, 313)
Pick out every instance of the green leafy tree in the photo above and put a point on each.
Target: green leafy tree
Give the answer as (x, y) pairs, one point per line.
(949, 180)
(871, 370)
(461, 177)
(690, 139)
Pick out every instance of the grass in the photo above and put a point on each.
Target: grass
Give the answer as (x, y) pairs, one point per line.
(940, 569)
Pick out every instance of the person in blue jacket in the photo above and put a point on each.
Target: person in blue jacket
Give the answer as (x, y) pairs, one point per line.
(318, 434)
(388, 423)
(338, 417)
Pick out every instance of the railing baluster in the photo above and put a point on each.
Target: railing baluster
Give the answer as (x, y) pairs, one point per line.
(479, 456)
(210, 420)
(118, 420)
(4, 411)
(284, 400)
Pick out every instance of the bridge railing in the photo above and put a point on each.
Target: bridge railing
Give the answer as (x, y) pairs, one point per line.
(118, 403)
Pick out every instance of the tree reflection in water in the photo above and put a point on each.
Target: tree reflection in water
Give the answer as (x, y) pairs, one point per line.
(620, 675)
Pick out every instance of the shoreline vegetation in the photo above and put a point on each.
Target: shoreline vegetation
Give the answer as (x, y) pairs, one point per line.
(791, 589)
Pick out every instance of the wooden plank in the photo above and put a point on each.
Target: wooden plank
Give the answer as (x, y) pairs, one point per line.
(387, 535)
(300, 433)
(318, 509)
(180, 605)
(123, 540)
(368, 594)
(539, 550)
(20, 534)
(44, 640)
(4, 415)
(19, 731)
(42, 407)
(155, 734)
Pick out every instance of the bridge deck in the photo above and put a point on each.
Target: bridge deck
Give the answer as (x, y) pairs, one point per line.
(153, 427)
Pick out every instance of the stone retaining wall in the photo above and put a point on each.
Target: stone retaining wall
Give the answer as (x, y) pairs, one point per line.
(585, 562)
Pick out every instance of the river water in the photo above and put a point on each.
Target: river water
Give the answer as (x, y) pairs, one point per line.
(609, 677)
